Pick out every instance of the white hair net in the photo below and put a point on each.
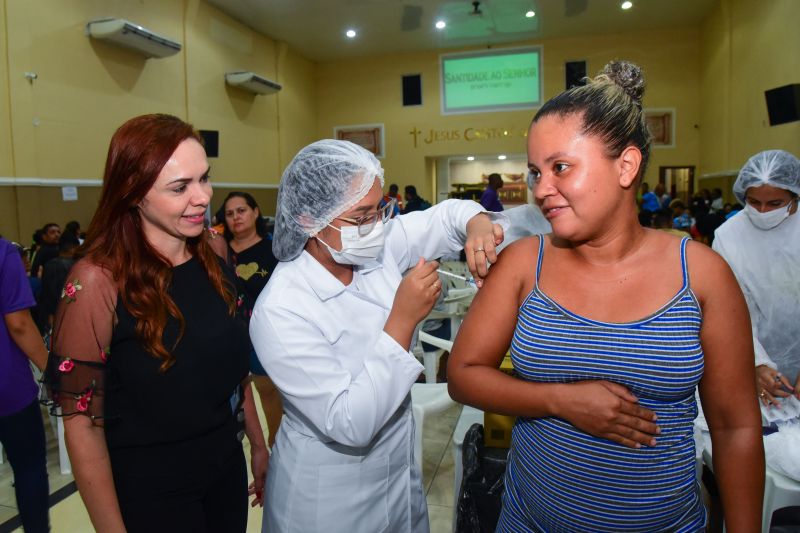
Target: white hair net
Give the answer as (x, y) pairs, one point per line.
(325, 179)
(777, 168)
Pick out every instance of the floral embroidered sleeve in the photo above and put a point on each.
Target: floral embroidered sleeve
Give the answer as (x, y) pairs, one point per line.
(74, 381)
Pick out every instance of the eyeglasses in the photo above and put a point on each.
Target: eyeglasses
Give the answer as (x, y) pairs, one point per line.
(367, 223)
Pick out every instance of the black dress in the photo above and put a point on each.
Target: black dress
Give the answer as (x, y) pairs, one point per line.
(173, 436)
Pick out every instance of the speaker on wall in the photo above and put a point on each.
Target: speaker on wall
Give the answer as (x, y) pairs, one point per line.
(412, 89)
(783, 104)
(576, 71)
(210, 142)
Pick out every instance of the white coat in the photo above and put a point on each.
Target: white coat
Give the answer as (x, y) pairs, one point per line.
(767, 266)
(343, 459)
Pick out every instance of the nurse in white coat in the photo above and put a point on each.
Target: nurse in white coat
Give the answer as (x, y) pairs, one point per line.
(762, 246)
(333, 330)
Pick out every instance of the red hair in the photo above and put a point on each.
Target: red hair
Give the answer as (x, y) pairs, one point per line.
(138, 151)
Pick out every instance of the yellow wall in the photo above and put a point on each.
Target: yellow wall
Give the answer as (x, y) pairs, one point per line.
(58, 127)
(748, 46)
(368, 90)
(297, 107)
(85, 89)
(6, 163)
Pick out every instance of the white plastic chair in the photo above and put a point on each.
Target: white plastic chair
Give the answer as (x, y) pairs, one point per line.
(779, 491)
(431, 359)
(456, 304)
(427, 399)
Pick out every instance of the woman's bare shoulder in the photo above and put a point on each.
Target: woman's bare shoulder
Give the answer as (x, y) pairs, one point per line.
(526, 247)
(709, 273)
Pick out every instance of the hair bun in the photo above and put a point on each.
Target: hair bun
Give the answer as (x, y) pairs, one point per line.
(628, 76)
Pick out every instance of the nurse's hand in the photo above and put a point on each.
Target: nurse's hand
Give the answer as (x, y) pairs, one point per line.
(772, 385)
(414, 299)
(480, 248)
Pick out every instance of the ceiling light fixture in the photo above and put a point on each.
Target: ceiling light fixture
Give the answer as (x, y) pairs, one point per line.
(471, 158)
(350, 33)
(440, 24)
(530, 14)
(627, 4)
(501, 157)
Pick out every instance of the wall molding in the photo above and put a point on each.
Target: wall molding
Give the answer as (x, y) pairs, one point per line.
(67, 182)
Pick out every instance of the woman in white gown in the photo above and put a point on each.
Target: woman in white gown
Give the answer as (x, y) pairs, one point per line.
(762, 246)
(333, 329)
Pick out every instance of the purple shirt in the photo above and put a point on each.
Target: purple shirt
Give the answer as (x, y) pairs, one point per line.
(17, 387)
(490, 201)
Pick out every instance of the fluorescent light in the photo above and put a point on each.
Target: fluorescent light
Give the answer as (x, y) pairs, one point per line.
(501, 157)
(626, 4)
(471, 158)
(530, 14)
(350, 33)
(440, 24)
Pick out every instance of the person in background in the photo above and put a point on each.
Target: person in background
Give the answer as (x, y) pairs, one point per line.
(333, 329)
(490, 199)
(148, 357)
(703, 196)
(36, 243)
(732, 210)
(53, 280)
(394, 195)
(250, 255)
(607, 360)
(662, 220)
(681, 219)
(73, 228)
(650, 201)
(646, 218)
(762, 246)
(706, 225)
(663, 196)
(413, 201)
(51, 233)
(717, 203)
(21, 428)
(697, 209)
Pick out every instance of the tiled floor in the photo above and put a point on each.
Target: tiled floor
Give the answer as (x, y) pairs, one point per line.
(8, 503)
(69, 516)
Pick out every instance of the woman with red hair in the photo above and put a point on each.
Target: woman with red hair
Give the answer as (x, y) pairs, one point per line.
(148, 355)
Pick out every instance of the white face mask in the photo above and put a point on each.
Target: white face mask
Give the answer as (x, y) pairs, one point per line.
(768, 220)
(357, 250)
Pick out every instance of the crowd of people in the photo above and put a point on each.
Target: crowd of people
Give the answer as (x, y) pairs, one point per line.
(699, 219)
(159, 327)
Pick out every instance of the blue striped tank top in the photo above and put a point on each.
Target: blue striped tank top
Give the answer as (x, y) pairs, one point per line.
(562, 479)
